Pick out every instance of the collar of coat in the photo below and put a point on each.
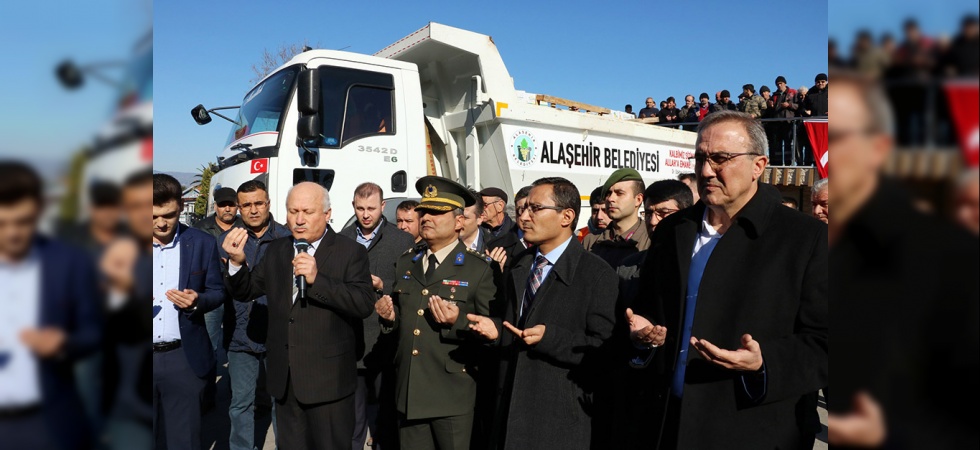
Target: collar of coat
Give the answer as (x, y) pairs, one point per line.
(564, 269)
(753, 217)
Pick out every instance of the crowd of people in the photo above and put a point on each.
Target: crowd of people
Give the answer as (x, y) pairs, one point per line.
(780, 111)
(912, 71)
(458, 326)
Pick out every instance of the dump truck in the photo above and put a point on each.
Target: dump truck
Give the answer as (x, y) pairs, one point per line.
(439, 101)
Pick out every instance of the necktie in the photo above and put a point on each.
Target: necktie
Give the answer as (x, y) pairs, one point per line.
(533, 283)
(430, 272)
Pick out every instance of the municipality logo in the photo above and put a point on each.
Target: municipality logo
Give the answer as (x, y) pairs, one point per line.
(522, 148)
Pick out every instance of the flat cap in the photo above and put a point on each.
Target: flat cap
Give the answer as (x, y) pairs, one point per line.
(624, 174)
(442, 194)
(494, 192)
(224, 195)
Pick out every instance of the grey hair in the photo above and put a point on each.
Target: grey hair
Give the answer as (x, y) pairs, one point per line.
(873, 96)
(757, 136)
(803, 89)
(820, 186)
(324, 191)
(457, 212)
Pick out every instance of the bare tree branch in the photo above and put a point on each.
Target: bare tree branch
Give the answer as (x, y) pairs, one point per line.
(270, 60)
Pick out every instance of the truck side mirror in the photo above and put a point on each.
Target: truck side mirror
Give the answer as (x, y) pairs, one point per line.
(69, 74)
(308, 92)
(200, 114)
(308, 102)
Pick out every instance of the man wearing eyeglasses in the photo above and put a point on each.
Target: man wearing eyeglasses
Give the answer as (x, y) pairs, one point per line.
(495, 219)
(559, 303)
(247, 329)
(735, 308)
(626, 234)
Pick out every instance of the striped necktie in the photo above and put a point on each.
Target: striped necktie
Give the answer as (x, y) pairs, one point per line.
(533, 283)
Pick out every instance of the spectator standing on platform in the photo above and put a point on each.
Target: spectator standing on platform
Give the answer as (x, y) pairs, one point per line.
(670, 114)
(650, 110)
(784, 100)
(755, 105)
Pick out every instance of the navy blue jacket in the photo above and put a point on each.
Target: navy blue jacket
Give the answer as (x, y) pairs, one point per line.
(200, 270)
(247, 329)
(69, 302)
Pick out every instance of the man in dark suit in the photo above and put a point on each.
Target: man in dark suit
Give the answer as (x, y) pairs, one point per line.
(737, 303)
(312, 340)
(186, 284)
(50, 313)
(473, 235)
(375, 372)
(559, 303)
(437, 287)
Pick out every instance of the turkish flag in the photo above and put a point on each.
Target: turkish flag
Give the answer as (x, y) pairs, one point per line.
(146, 152)
(816, 129)
(260, 165)
(964, 99)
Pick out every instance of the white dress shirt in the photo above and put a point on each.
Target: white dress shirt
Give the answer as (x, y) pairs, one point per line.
(20, 307)
(166, 276)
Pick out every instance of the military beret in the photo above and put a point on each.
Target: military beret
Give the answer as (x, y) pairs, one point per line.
(442, 194)
(624, 174)
(494, 192)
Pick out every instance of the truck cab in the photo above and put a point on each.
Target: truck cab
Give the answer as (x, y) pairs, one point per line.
(363, 118)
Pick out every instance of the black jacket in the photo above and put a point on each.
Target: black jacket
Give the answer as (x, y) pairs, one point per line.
(383, 252)
(314, 340)
(547, 391)
(767, 276)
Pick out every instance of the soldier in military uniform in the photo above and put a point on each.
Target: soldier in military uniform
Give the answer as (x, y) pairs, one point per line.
(435, 289)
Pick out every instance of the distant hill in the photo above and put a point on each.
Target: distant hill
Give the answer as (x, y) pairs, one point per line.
(185, 178)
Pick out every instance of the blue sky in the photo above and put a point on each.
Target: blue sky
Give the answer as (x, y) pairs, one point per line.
(936, 17)
(603, 53)
(42, 121)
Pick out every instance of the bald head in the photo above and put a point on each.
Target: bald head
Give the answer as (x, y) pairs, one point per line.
(308, 210)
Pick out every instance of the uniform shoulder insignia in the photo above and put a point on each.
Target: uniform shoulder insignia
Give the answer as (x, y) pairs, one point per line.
(480, 255)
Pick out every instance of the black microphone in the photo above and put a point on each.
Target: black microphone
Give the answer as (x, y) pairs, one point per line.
(302, 247)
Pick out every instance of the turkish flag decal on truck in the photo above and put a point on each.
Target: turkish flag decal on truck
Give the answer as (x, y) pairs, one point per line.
(260, 165)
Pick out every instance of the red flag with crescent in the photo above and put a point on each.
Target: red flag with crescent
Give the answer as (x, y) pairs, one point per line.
(260, 165)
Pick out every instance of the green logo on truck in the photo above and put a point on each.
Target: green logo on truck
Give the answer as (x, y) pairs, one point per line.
(523, 148)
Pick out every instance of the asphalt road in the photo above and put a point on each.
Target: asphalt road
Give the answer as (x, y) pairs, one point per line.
(216, 425)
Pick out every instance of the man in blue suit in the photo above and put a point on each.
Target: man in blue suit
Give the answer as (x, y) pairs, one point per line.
(187, 283)
(50, 318)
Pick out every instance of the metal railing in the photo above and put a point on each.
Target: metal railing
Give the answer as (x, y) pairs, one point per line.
(800, 152)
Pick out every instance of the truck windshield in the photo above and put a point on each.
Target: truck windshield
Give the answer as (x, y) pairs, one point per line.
(263, 106)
